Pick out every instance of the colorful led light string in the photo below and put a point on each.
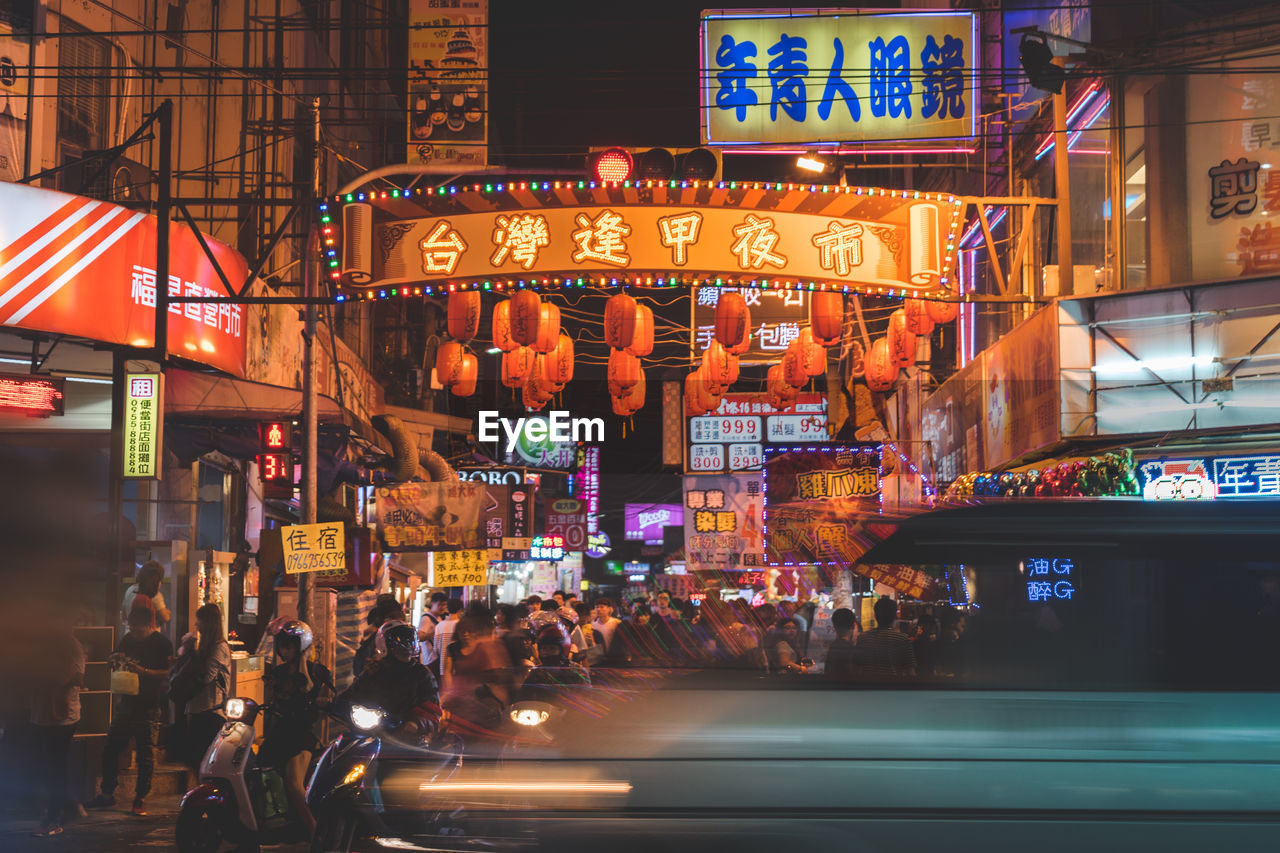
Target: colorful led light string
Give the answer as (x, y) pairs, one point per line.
(501, 285)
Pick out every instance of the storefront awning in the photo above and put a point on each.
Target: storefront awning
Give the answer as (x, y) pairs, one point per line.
(1118, 528)
(188, 393)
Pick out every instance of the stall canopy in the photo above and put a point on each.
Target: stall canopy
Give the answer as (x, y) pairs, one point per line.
(1001, 529)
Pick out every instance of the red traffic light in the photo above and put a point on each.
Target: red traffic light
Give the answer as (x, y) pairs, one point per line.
(612, 165)
(276, 472)
(275, 435)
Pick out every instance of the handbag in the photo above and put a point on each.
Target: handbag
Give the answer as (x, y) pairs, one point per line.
(124, 682)
(184, 681)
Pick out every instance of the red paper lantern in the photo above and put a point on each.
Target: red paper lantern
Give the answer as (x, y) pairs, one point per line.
(918, 320)
(544, 373)
(642, 339)
(624, 370)
(781, 395)
(526, 316)
(902, 344)
(562, 360)
(715, 365)
(465, 385)
(857, 359)
(733, 370)
(826, 316)
(708, 395)
(793, 366)
(516, 366)
(502, 327)
(692, 408)
(733, 319)
(942, 312)
(882, 370)
(548, 328)
(620, 407)
(741, 347)
(812, 354)
(464, 314)
(449, 362)
(619, 320)
(635, 397)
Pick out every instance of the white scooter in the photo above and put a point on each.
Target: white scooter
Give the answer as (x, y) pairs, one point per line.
(235, 799)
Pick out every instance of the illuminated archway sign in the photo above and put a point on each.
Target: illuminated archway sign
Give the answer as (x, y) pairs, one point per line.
(564, 234)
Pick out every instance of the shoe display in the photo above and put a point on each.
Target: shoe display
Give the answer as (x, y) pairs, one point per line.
(140, 807)
(102, 801)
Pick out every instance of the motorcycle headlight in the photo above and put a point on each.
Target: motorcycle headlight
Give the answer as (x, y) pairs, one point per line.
(529, 713)
(235, 709)
(365, 718)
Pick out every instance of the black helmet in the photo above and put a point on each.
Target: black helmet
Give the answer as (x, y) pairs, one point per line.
(554, 633)
(394, 636)
(294, 631)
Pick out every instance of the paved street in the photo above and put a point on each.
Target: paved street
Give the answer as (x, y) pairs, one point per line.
(114, 829)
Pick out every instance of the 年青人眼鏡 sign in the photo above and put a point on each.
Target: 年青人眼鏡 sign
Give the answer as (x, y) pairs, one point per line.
(837, 75)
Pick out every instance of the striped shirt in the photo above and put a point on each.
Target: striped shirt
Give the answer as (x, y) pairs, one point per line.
(885, 653)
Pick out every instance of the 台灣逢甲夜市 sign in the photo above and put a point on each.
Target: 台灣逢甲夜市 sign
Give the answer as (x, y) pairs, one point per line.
(780, 76)
(563, 233)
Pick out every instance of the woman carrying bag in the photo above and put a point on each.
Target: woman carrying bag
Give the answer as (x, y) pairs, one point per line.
(200, 681)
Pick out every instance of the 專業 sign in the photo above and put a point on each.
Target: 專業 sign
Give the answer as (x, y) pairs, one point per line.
(469, 567)
(314, 547)
(143, 425)
(777, 76)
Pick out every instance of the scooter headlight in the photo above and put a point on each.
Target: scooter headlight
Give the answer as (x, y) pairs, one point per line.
(235, 709)
(530, 713)
(365, 718)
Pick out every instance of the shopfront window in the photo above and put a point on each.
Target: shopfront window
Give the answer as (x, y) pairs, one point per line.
(1135, 220)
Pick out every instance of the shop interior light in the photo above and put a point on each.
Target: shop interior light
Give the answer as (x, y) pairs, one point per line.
(1155, 365)
(810, 163)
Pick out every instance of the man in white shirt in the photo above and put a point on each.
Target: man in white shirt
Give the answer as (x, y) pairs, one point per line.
(444, 631)
(427, 627)
(604, 623)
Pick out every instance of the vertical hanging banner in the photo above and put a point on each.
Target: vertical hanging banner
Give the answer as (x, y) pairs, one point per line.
(815, 500)
(448, 81)
(143, 425)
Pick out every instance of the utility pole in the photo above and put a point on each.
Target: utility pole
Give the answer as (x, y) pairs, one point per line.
(1062, 177)
(310, 419)
(164, 214)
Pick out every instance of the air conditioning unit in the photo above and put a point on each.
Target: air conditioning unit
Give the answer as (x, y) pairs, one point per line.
(122, 181)
(1087, 280)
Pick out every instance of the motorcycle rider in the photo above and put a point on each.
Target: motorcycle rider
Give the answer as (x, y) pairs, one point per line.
(297, 690)
(397, 683)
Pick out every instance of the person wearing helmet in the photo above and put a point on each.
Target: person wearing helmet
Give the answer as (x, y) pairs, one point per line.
(397, 682)
(297, 689)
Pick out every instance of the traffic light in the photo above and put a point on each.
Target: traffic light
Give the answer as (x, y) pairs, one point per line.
(610, 165)
(275, 461)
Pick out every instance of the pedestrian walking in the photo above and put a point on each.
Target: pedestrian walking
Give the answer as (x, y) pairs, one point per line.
(144, 653)
(202, 675)
(55, 711)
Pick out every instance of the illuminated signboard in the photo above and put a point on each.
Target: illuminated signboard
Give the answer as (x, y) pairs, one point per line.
(816, 499)
(774, 77)
(1211, 478)
(734, 437)
(644, 522)
(1049, 578)
(598, 545)
(547, 548)
(586, 485)
(143, 424)
(777, 316)
(35, 396)
(634, 568)
(84, 268)
(877, 241)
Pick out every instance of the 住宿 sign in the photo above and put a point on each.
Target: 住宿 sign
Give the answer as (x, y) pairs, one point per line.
(776, 76)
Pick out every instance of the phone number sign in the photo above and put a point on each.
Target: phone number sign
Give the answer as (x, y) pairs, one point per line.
(733, 438)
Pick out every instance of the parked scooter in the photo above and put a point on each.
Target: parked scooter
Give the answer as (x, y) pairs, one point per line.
(344, 792)
(235, 800)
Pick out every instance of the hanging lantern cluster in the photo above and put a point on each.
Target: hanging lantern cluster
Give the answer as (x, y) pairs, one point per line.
(897, 349)
(457, 368)
(628, 330)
